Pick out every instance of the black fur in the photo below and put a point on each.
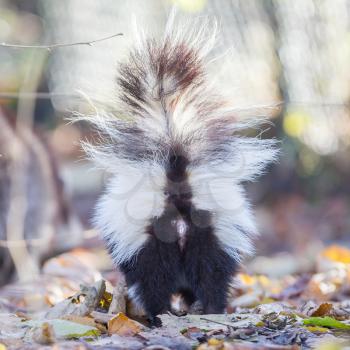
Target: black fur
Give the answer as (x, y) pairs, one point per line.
(162, 267)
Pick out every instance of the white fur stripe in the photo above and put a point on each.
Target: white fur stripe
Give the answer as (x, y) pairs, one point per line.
(133, 197)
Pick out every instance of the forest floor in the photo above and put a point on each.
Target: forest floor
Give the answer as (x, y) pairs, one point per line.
(72, 305)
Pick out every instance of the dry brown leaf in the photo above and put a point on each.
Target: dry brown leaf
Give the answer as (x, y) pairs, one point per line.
(80, 304)
(193, 333)
(78, 264)
(87, 321)
(44, 334)
(314, 291)
(323, 310)
(295, 289)
(118, 302)
(101, 317)
(122, 325)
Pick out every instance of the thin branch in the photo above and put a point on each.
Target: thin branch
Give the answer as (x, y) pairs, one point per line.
(49, 95)
(55, 46)
(217, 322)
(35, 95)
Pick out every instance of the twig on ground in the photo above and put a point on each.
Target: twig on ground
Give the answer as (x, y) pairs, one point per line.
(223, 324)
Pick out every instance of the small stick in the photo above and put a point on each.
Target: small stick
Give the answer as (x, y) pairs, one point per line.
(55, 46)
(221, 323)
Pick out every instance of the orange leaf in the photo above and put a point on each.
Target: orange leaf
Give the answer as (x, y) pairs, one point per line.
(337, 253)
(122, 325)
(323, 310)
(246, 279)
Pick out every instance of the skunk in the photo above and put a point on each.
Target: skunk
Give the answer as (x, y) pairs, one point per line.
(174, 214)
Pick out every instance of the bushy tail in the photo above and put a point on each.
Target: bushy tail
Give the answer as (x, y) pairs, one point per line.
(166, 99)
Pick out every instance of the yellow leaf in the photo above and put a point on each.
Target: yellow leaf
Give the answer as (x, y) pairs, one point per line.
(264, 281)
(331, 345)
(122, 325)
(106, 300)
(267, 301)
(3, 347)
(246, 279)
(337, 253)
(214, 341)
(316, 329)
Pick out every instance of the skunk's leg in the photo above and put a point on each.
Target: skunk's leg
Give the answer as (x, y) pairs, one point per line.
(152, 276)
(209, 270)
(185, 305)
(188, 296)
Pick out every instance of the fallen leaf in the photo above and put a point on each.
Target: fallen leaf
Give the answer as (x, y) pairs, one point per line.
(194, 333)
(337, 253)
(331, 345)
(214, 341)
(81, 303)
(246, 300)
(79, 264)
(44, 334)
(291, 336)
(269, 308)
(327, 321)
(122, 325)
(295, 289)
(276, 322)
(101, 317)
(105, 301)
(118, 299)
(246, 279)
(3, 347)
(87, 321)
(323, 310)
(317, 329)
(66, 329)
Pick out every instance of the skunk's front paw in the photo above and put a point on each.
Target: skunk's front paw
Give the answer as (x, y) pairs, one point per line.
(155, 321)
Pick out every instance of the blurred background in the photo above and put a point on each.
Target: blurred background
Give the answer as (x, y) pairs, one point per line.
(288, 60)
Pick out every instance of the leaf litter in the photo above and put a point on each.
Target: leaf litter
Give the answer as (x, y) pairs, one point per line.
(72, 306)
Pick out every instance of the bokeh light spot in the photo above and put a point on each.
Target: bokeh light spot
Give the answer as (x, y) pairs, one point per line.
(295, 123)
